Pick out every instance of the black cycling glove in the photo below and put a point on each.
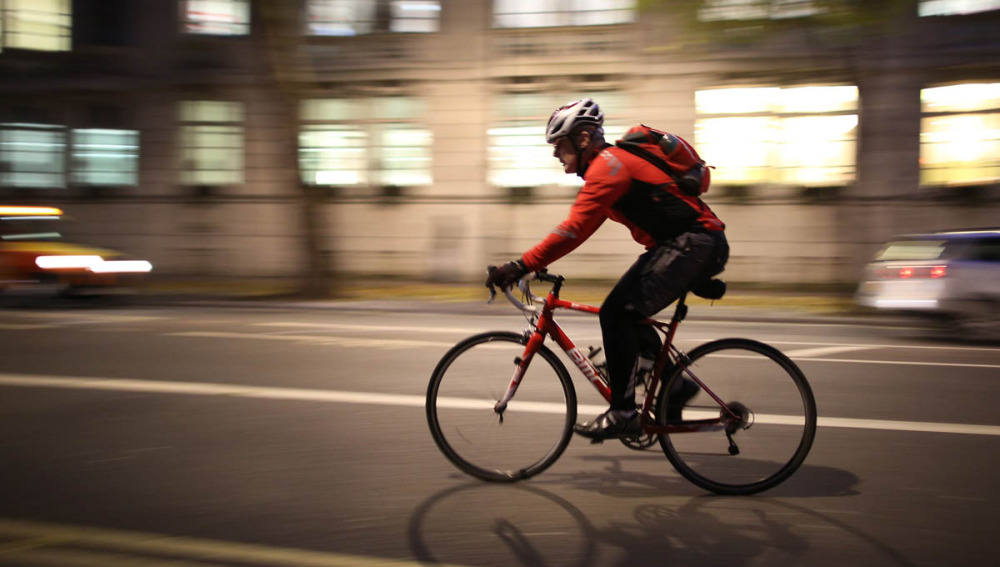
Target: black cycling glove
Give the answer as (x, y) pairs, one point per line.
(506, 275)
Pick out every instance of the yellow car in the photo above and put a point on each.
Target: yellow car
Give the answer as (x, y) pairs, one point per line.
(33, 254)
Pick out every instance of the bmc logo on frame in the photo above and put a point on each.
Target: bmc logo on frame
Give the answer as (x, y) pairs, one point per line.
(583, 364)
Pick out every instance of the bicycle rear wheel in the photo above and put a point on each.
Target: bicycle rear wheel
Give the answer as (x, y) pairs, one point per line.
(528, 436)
(776, 421)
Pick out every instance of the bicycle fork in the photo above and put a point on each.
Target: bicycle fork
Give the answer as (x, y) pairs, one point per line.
(521, 366)
(547, 327)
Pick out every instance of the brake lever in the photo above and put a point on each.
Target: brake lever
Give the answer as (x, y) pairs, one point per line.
(493, 290)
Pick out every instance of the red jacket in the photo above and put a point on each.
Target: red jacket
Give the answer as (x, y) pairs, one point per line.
(630, 190)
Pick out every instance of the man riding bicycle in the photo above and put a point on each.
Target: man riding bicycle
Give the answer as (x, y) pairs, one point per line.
(685, 246)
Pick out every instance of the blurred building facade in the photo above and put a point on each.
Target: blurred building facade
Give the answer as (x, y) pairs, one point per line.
(188, 131)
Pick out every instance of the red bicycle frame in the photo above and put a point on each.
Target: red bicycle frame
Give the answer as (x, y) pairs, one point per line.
(546, 326)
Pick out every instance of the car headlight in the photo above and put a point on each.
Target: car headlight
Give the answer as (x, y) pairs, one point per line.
(95, 264)
(122, 267)
(67, 262)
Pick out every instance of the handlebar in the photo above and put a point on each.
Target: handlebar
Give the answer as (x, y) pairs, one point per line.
(523, 285)
(712, 289)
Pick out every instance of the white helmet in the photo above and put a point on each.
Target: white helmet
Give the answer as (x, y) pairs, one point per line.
(566, 118)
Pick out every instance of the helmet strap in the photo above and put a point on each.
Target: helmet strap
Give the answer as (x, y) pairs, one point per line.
(581, 168)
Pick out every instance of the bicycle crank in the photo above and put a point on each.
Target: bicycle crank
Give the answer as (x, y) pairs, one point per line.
(639, 442)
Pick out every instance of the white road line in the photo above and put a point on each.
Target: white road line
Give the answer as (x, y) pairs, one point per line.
(922, 427)
(903, 362)
(407, 400)
(686, 339)
(23, 326)
(378, 328)
(885, 346)
(87, 317)
(327, 340)
(864, 361)
(353, 342)
(209, 389)
(819, 351)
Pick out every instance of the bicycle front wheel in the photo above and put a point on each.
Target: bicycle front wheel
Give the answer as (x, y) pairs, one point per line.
(768, 424)
(528, 436)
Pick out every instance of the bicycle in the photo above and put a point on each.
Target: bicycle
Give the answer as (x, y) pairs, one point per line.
(753, 429)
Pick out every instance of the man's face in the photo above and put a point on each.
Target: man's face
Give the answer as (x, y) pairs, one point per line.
(566, 154)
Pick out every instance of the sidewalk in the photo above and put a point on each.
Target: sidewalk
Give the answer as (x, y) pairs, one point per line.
(470, 298)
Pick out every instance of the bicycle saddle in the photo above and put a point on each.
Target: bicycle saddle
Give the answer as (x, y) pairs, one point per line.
(713, 288)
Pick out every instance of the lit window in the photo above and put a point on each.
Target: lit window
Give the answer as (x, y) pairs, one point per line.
(216, 17)
(43, 25)
(519, 156)
(333, 155)
(956, 7)
(211, 143)
(803, 136)
(105, 157)
(405, 156)
(728, 10)
(358, 17)
(551, 13)
(960, 134)
(817, 151)
(32, 155)
(419, 16)
(361, 142)
(739, 147)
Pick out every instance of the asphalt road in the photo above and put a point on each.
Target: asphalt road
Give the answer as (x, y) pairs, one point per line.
(226, 435)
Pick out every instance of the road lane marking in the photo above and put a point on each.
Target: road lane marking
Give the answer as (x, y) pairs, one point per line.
(326, 340)
(210, 389)
(865, 361)
(475, 330)
(822, 350)
(354, 342)
(886, 346)
(408, 400)
(377, 328)
(61, 545)
(903, 362)
(65, 317)
(23, 326)
(913, 426)
(833, 347)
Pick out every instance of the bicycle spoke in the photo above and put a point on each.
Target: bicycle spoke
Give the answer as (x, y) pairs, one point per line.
(769, 423)
(527, 437)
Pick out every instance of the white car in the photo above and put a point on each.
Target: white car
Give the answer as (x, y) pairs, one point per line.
(954, 276)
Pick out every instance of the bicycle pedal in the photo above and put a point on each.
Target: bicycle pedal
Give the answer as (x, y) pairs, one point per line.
(596, 441)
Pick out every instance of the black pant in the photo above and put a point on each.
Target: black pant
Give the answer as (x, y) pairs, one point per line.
(654, 281)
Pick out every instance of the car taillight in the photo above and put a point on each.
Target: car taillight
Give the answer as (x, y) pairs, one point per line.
(911, 272)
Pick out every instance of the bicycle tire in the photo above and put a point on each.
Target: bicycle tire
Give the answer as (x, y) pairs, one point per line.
(772, 395)
(535, 428)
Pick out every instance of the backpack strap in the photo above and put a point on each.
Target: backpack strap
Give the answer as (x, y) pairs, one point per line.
(636, 149)
(687, 185)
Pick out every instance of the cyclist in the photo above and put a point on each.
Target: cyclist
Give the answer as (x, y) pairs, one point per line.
(685, 246)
